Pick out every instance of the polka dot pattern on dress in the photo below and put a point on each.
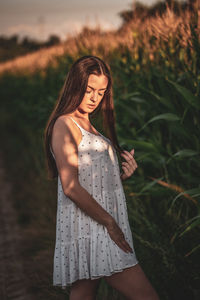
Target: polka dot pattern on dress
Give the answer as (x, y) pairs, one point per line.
(83, 247)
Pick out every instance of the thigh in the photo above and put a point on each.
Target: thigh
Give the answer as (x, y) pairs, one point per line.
(84, 289)
(132, 283)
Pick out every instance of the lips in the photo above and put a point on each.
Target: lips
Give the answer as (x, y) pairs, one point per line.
(91, 105)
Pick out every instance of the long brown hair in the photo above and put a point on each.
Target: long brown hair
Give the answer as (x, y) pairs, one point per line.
(70, 97)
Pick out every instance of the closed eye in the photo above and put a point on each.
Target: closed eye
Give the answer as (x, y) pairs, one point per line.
(90, 92)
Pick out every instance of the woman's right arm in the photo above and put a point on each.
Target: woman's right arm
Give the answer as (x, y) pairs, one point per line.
(65, 139)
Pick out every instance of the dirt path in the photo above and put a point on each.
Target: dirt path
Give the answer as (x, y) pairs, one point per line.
(13, 281)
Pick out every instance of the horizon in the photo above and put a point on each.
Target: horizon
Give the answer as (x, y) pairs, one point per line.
(40, 19)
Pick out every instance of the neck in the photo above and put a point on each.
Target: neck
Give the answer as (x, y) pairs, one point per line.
(80, 114)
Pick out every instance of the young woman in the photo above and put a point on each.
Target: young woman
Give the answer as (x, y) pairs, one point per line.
(93, 236)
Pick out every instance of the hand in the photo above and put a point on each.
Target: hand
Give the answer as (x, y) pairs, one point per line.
(130, 166)
(117, 236)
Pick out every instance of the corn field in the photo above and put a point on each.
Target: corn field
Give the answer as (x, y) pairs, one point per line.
(155, 67)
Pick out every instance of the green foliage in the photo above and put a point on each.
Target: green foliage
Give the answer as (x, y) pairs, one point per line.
(157, 108)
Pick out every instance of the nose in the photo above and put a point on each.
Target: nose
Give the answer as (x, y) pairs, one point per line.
(94, 96)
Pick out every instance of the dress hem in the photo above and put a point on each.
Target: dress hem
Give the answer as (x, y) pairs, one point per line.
(95, 276)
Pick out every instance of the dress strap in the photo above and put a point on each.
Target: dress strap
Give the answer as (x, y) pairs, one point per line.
(76, 123)
(84, 130)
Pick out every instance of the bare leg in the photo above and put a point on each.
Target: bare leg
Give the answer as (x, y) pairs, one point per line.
(133, 284)
(84, 289)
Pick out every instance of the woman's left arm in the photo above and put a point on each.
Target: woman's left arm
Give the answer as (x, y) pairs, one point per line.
(129, 166)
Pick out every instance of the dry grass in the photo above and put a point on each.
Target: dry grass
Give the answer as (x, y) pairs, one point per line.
(134, 35)
(175, 188)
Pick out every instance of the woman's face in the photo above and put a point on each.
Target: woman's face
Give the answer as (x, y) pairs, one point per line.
(94, 92)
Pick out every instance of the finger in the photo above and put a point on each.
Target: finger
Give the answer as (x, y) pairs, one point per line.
(135, 163)
(123, 247)
(128, 166)
(128, 154)
(124, 242)
(129, 159)
(127, 169)
(127, 246)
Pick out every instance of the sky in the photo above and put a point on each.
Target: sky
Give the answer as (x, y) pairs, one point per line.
(38, 19)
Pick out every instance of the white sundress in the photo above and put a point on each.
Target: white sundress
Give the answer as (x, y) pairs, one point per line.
(83, 247)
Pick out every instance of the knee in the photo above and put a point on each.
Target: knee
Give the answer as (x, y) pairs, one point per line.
(151, 296)
(81, 291)
(75, 295)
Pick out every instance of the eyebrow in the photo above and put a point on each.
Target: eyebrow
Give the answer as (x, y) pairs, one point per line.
(99, 89)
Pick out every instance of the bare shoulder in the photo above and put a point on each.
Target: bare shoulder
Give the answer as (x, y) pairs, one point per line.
(65, 126)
